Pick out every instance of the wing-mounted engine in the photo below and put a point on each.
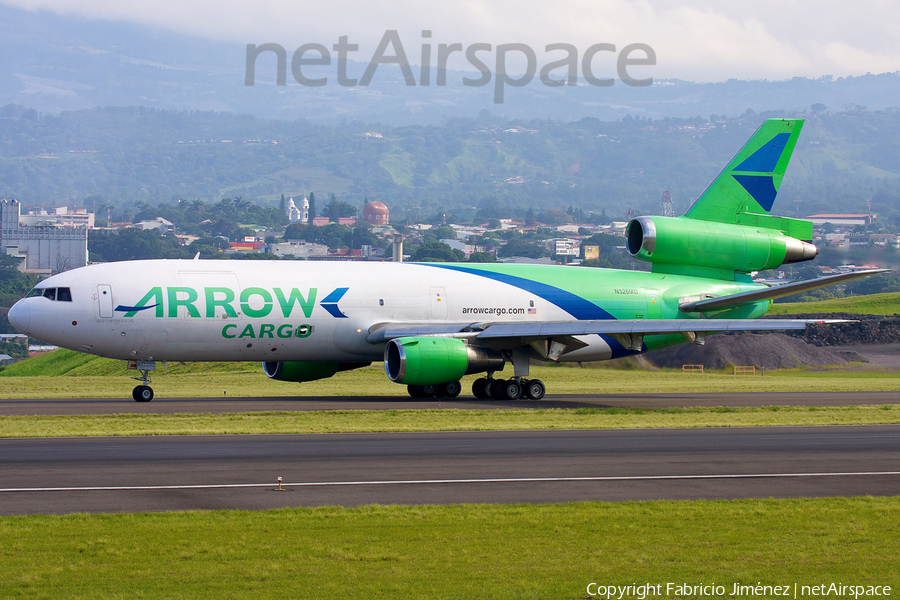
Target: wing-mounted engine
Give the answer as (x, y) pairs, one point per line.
(307, 370)
(436, 360)
(684, 245)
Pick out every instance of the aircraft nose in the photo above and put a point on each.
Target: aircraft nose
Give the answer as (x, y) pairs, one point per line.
(19, 316)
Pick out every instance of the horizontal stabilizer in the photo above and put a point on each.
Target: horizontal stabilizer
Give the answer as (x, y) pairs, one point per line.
(779, 291)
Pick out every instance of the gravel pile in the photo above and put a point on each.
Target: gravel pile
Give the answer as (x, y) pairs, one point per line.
(870, 329)
(770, 350)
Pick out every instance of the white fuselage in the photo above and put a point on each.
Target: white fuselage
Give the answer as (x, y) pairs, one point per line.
(209, 310)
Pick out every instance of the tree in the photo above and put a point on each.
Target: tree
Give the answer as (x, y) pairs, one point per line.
(522, 248)
(61, 264)
(312, 208)
(493, 208)
(530, 219)
(444, 233)
(14, 284)
(606, 242)
(553, 216)
(336, 210)
(876, 284)
(333, 210)
(282, 206)
(437, 252)
(482, 257)
(295, 231)
(208, 247)
(135, 244)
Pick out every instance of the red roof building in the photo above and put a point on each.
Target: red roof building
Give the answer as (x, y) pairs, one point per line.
(376, 213)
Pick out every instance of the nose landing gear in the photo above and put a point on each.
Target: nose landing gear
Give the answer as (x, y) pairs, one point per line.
(143, 392)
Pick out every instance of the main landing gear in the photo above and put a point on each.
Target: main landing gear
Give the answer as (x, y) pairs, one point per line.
(143, 392)
(509, 389)
(444, 390)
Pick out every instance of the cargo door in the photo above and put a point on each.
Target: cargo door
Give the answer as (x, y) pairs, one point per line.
(104, 297)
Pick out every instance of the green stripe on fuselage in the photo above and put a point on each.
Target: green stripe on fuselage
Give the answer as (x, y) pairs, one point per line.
(612, 290)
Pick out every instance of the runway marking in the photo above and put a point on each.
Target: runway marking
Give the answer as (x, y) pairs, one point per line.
(438, 481)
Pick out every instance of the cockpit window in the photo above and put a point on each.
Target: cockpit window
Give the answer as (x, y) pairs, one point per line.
(62, 294)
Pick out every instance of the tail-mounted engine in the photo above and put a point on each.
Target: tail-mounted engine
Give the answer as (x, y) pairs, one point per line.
(711, 244)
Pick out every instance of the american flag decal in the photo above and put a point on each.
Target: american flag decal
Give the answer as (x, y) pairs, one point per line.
(532, 311)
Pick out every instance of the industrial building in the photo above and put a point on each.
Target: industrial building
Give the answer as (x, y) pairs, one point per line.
(43, 249)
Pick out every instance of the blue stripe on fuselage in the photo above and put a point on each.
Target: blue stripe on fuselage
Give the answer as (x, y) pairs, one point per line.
(573, 304)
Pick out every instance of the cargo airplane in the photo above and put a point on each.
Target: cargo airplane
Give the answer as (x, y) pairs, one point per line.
(433, 323)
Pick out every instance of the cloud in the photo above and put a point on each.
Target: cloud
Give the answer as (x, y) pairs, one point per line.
(701, 40)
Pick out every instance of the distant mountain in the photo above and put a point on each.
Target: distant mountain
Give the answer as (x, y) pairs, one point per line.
(55, 63)
(132, 156)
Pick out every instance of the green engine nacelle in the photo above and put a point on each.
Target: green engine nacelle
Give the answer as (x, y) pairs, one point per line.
(436, 360)
(307, 371)
(713, 245)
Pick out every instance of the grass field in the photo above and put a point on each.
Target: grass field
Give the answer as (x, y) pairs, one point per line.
(64, 374)
(874, 304)
(464, 551)
(365, 421)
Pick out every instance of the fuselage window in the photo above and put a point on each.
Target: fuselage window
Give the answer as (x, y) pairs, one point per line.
(50, 293)
(63, 295)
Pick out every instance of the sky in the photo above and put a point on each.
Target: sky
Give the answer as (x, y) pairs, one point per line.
(701, 40)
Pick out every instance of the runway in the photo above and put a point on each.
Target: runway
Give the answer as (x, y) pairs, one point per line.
(162, 405)
(445, 468)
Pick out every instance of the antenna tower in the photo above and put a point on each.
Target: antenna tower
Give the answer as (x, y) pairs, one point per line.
(666, 207)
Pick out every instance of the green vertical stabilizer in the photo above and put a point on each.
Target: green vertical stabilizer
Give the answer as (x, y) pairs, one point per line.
(745, 190)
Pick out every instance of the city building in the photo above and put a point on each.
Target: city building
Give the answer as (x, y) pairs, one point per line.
(62, 216)
(376, 213)
(43, 249)
(852, 220)
(298, 214)
(297, 249)
(160, 224)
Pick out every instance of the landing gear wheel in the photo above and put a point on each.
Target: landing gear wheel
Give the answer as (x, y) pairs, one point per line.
(506, 390)
(481, 388)
(512, 390)
(429, 391)
(414, 390)
(142, 393)
(535, 389)
(449, 390)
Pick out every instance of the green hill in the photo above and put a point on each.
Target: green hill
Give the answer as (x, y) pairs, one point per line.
(71, 363)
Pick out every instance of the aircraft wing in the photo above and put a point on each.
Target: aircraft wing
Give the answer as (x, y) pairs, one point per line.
(779, 291)
(692, 329)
